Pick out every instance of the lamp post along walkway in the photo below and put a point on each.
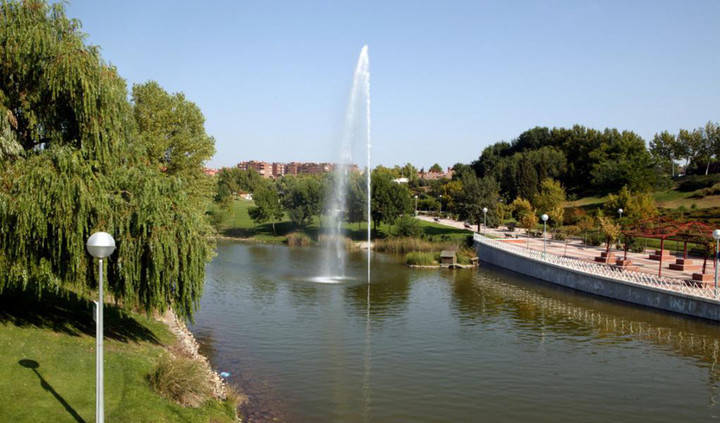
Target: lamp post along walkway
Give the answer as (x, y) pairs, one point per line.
(544, 218)
(100, 245)
(485, 210)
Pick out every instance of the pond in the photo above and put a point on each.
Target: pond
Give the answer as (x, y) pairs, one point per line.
(443, 345)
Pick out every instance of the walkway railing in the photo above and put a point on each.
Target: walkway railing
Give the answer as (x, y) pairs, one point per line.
(590, 268)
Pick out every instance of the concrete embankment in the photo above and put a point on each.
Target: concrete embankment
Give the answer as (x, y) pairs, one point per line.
(649, 296)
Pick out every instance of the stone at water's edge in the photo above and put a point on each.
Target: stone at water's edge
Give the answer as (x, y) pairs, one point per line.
(190, 347)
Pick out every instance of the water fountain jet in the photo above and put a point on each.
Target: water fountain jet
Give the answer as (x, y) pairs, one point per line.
(356, 132)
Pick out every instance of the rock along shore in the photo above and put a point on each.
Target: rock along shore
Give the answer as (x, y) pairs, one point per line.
(189, 347)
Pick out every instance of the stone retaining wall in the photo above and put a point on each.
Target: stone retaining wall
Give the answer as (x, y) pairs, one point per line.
(600, 285)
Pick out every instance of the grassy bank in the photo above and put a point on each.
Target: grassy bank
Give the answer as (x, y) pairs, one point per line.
(236, 222)
(687, 192)
(417, 258)
(47, 366)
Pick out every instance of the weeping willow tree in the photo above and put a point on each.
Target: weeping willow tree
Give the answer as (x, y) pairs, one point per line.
(76, 157)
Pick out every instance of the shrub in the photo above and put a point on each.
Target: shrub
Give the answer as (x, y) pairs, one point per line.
(465, 254)
(695, 182)
(233, 399)
(418, 258)
(408, 227)
(637, 247)
(713, 190)
(298, 239)
(406, 245)
(573, 215)
(347, 242)
(182, 380)
(559, 235)
(595, 239)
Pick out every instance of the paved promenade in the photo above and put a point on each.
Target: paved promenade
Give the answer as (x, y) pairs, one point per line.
(576, 248)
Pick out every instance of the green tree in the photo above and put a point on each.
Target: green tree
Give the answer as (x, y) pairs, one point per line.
(526, 178)
(84, 166)
(231, 181)
(389, 199)
(635, 205)
(710, 144)
(713, 133)
(436, 168)
(552, 195)
(357, 198)
(302, 198)
(9, 147)
(663, 148)
(528, 221)
(407, 171)
(621, 160)
(172, 129)
(692, 145)
(452, 194)
(407, 226)
(521, 207)
(267, 205)
(476, 195)
(556, 215)
(609, 229)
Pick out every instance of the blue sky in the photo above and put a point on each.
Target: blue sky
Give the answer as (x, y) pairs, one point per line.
(448, 78)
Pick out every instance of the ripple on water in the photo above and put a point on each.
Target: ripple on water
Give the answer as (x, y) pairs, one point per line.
(443, 346)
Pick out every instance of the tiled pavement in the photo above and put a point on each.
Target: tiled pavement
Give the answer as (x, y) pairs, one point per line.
(576, 248)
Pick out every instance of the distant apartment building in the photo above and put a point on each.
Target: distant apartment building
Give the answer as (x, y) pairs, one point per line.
(263, 168)
(436, 175)
(292, 168)
(210, 172)
(315, 168)
(277, 169)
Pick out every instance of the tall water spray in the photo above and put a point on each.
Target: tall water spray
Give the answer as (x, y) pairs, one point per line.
(356, 133)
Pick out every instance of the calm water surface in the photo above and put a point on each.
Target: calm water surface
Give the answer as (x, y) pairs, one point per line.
(444, 346)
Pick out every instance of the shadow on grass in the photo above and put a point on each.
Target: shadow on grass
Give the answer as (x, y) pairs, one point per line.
(266, 230)
(68, 313)
(238, 232)
(33, 365)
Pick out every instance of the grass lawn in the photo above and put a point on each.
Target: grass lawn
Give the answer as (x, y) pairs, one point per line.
(675, 199)
(237, 223)
(588, 202)
(47, 366)
(669, 199)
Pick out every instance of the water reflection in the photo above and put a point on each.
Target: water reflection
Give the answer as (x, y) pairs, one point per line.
(389, 293)
(435, 346)
(539, 307)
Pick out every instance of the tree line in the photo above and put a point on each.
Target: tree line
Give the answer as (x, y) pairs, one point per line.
(699, 148)
(303, 197)
(592, 162)
(531, 175)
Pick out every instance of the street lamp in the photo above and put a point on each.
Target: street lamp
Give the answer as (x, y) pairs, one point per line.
(544, 218)
(484, 218)
(99, 245)
(441, 205)
(416, 205)
(620, 212)
(716, 235)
